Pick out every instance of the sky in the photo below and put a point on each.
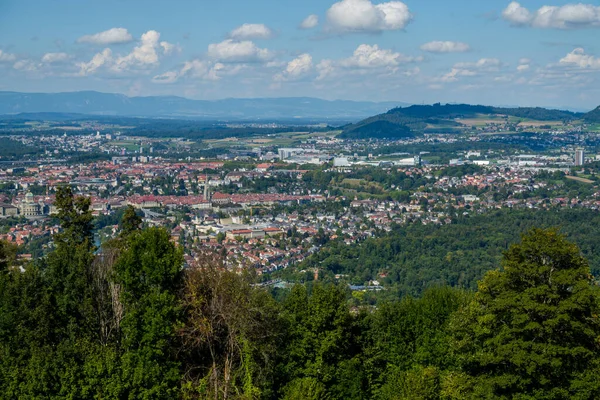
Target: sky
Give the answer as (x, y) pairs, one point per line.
(493, 52)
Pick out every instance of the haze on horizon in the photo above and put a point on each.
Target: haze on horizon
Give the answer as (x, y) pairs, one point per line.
(532, 53)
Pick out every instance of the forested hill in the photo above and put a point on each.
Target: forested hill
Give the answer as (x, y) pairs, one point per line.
(408, 121)
(593, 116)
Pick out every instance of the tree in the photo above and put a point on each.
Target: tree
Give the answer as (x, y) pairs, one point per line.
(230, 335)
(532, 330)
(8, 253)
(320, 353)
(75, 217)
(130, 222)
(149, 272)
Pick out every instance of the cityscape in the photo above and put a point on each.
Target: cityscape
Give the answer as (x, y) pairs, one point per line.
(276, 200)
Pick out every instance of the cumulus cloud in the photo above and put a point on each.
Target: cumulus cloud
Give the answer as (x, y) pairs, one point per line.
(569, 16)
(578, 58)
(52, 58)
(193, 68)
(325, 68)
(364, 16)
(445, 47)
(463, 69)
(111, 36)
(310, 22)
(144, 55)
(169, 48)
(199, 69)
(7, 57)
(99, 60)
(251, 31)
(366, 56)
(25, 65)
(297, 68)
(238, 51)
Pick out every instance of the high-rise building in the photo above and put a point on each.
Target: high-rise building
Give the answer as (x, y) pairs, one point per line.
(579, 157)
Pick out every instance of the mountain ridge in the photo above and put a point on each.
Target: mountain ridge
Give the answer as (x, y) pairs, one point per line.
(115, 104)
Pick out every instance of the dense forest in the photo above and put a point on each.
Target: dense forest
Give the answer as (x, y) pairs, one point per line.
(129, 321)
(414, 257)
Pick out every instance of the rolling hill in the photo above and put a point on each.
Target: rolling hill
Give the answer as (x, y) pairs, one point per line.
(409, 121)
(593, 116)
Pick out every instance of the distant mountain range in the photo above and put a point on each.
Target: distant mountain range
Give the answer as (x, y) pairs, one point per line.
(404, 122)
(109, 104)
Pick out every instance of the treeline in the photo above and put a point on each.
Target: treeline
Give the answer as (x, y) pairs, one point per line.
(414, 257)
(129, 322)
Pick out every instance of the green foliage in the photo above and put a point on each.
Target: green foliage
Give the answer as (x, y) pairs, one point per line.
(532, 330)
(8, 254)
(414, 256)
(149, 273)
(129, 322)
(230, 338)
(130, 222)
(14, 150)
(321, 352)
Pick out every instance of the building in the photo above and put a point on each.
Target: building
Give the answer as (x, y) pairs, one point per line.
(341, 162)
(29, 208)
(579, 157)
(285, 153)
(7, 210)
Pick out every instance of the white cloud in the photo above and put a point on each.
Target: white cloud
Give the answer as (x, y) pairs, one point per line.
(516, 14)
(465, 69)
(580, 59)
(25, 65)
(52, 58)
(111, 36)
(143, 56)
(297, 68)
(366, 56)
(169, 48)
(569, 16)
(364, 59)
(233, 51)
(445, 47)
(523, 67)
(310, 22)
(364, 16)
(99, 60)
(325, 68)
(195, 68)
(7, 57)
(199, 69)
(251, 31)
(489, 64)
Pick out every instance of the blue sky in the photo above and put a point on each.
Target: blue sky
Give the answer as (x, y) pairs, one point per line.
(496, 52)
